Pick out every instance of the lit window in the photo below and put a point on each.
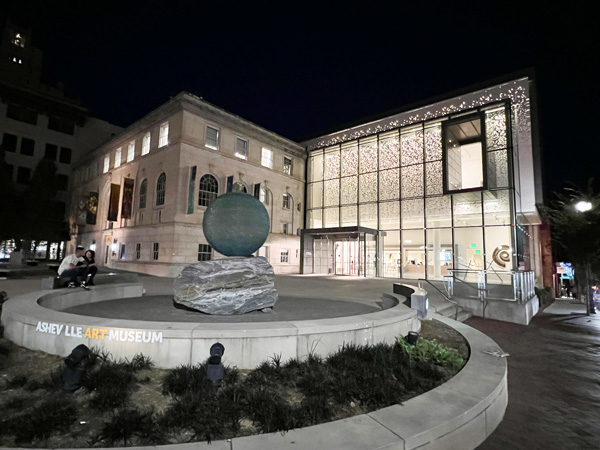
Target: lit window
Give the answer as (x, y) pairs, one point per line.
(18, 40)
(264, 196)
(106, 163)
(146, 144)
(160, 189)
(138, 250)
(285, 255)
(287, 201)
(122, 251)
(286, 228)
(209, 187)
(143, 191)
(287, 165)
(267, 158)
(212, 138)
(118, 157)
(163, 137)
(131, 151)
(241, 148)
(155, 251)
(204, 252)
(463, 154)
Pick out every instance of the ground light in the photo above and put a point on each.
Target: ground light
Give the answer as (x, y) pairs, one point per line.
(73, 372)
(214, 369)
(412, 337)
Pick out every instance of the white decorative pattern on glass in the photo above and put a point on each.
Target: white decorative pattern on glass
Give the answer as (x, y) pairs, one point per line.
(349, 190)
(412, 181)
(389, 151)
(438, 212)
(498, 169)
(368, 156)
(368, 187)
(316, 160)
(389, 215)
(316, 218)
(434, 181)
(332, 193)
(433, 142)
(496, 207)
(332, 164)
(495, 129)
(315, 199)
(350, 159)
(368, 215)
(412, 213)
(349, 216)
(389, 184)
(412, 147)
(331, 217)
(467, 209)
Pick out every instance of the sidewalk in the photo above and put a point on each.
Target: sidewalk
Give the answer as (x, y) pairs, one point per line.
(553, 379)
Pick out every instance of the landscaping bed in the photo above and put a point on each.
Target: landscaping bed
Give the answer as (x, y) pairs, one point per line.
(132, 403)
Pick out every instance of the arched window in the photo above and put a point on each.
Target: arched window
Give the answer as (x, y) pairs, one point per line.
(209, 187)
(160, 189)
(239, 187)
(264, 196)
(143, 190)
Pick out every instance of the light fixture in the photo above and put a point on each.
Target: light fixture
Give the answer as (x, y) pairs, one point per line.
(583, 206)
(214, 369)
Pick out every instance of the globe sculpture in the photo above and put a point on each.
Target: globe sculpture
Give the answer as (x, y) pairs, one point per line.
(235, 225)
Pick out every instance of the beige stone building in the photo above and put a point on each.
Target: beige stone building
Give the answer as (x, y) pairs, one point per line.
(139, 199)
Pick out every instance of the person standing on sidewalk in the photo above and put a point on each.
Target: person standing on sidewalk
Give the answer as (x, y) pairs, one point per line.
(68, 266)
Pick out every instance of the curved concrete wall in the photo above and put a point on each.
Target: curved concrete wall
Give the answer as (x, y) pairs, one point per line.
(35, 321)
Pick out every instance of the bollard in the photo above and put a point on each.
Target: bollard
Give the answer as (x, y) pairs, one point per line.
(420, 302)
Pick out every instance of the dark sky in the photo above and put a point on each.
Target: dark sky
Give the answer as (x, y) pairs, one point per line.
(301, 68)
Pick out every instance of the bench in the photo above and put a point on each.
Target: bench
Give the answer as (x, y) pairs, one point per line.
(100, 278)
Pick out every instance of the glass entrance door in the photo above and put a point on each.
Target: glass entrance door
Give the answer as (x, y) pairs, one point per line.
(348, 257)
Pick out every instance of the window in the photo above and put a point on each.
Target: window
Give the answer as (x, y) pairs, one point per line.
(163, 136)
(264, 196)
(463, 155)
(204, 252)
(130, 151)
(118, 157)
(65, 155)
(286, 228)
(10, 169)
(239, 187)
(18, 40)
(122, 256)
(287, 201)
(51, 152)
(155, 251)
(287, 165)
(143, 190)
(27, 146)
(9, 142)
(241, 148)
(146, 144)
(106, 163)
(138, 250)
(285, 255)
(208, 190)
(22, 114)
(62, 182)
(267, 158)
(160, 189)
(61, 125)
(212, 138)
(23, 175)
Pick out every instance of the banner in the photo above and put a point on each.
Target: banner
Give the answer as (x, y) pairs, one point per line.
(127, 198)
(92, 208)
(113, 205)
(82, 210)
(191, 190)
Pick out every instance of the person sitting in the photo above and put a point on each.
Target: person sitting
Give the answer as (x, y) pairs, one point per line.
(89, 266)
(68, 266)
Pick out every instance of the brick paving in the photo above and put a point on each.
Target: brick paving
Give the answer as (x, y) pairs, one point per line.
(553, 380)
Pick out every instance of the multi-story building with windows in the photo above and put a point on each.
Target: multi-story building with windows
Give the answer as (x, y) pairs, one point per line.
(143, 194)
(37, 121)
(451, 184)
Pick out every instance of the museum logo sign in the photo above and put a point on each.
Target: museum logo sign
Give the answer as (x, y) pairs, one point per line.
(108, 334)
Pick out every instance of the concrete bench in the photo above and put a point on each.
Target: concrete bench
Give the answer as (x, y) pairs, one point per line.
(100, 278)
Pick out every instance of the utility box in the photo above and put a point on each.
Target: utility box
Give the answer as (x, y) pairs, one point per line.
(420, 302)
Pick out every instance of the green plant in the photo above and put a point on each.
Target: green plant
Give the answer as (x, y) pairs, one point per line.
(430, 350)
(127, 423)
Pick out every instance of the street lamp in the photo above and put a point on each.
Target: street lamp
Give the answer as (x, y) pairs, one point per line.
(583, 206)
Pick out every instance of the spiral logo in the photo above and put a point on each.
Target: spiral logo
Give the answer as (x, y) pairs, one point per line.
(501, 255)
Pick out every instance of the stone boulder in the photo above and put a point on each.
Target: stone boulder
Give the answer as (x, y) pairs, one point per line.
(235, 285)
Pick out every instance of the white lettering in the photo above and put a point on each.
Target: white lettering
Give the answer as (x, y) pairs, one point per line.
(131, 336)
(113, 335)
(79, 331)
(138, 336)
(59, 330)
(157, 336)
(39, 326)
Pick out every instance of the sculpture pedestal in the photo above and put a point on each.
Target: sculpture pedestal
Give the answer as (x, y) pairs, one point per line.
(235, 285)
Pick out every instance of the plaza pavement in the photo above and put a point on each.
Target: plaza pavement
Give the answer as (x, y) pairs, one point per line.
(554, 363)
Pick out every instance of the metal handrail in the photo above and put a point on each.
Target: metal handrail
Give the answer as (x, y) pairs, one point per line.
(444, 295)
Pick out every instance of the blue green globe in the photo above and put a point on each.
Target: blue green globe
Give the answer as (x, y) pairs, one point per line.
(236, 224)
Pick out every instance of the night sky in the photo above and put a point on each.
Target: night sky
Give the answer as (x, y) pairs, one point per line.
(300, 69)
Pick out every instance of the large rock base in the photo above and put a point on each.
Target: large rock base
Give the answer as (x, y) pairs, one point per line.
(235, 285)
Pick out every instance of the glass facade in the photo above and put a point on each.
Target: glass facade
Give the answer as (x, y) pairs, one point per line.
(439, 192)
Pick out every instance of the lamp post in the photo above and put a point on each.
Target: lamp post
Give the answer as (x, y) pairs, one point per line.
(584, 206)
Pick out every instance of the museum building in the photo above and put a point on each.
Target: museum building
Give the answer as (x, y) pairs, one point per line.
(451, 184)
(140, 198)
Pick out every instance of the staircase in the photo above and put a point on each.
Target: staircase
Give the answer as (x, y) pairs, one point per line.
(450, 310)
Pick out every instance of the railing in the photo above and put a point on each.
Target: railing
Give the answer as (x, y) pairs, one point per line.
(444, 295)
(523, 283)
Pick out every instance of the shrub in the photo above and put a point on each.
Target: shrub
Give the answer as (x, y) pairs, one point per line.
(127, 423)
(431, 350)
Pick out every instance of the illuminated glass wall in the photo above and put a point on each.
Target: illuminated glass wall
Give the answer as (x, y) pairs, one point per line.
(396, 182)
